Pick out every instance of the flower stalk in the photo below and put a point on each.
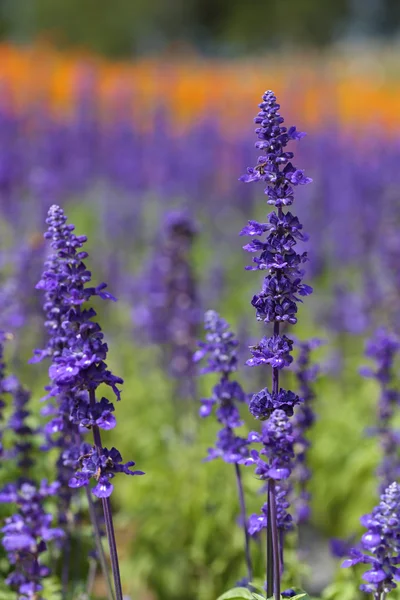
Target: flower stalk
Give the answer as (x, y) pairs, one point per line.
(78, 351)
(275, 304)
(220, 350)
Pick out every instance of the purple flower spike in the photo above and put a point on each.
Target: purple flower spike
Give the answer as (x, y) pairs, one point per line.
(25, 535)
(304, 418)
(220, 351)
(76, 343)
(380, 545)
(169, 313)
(273, 245)
(382, 348)
(78, 352)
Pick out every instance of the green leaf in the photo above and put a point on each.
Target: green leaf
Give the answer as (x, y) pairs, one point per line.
(240, 593)
(258, 596)
(302, 596)
(259, 587)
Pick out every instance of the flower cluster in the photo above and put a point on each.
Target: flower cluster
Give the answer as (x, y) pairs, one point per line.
(3, 388)
(382, 348)
(21, 451)
(102, 467)
(78, 351)
(306, 373)
(257, 523)
(277, 446)
(275, 248)
(25, 537)
(27, 531)
(380, 545)
(220, 350)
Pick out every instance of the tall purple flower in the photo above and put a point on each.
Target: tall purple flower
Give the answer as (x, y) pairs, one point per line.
(63, 431)
(25, 537)
(380, 545)
(304, 419)
(78, 350)
(220, 350)
(21, 451)
(78, 368)
(382, 348)
(27, 532)
(170, 314)
(274, 245)
(3, 388)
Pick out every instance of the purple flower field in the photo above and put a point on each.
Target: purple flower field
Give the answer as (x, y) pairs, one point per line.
(275, 481)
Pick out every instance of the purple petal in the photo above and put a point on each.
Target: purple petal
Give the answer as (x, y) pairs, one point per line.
(103, 489)
(374, 576)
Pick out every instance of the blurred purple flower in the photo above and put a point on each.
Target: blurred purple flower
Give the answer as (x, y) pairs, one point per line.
(380, 545)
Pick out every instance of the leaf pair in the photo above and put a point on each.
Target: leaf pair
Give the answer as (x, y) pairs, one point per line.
(241, 593)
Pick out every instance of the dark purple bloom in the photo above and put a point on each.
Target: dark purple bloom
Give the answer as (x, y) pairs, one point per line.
(274, 351)
(257, 523)
(220, 350)
(101, 467)
(277, 439)
(220, 347)
(380, 545)
(264, 403)
(78, 352)
(99, 414)
(230, 447)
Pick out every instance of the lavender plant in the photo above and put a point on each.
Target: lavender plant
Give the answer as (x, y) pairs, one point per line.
(62, 431)
(380, 545)
(382, 348)
(220, 351)
(28, 531)
(170, 313)
(276, 303)
(78, 351)
(304, 419)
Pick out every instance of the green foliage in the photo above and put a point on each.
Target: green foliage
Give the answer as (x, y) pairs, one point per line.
(176, 526)
(241, 593)
(122, 27)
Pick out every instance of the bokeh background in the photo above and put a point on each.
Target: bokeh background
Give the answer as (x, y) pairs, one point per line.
(133, 115)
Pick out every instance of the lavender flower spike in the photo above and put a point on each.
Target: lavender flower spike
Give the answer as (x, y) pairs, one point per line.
(25, 535)
(275, 304)
(304, 419)
(380, 545)
(383, 348)
(27, 532)
(78, 368)
(169, 314)
(220, 351)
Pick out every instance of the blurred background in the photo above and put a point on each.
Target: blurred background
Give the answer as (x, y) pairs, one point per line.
(128, 29)
(137, 118)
